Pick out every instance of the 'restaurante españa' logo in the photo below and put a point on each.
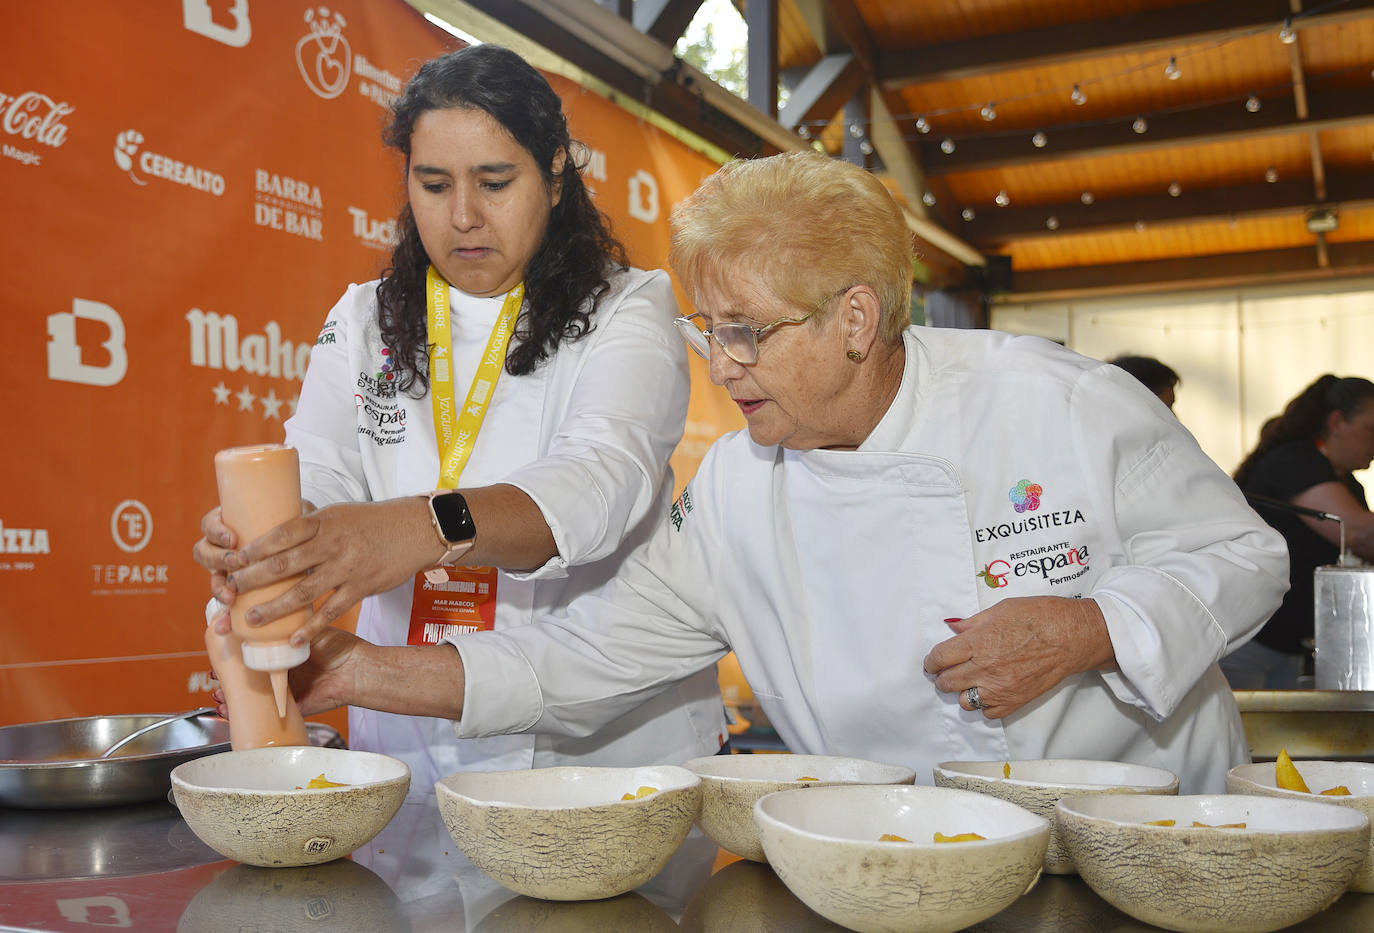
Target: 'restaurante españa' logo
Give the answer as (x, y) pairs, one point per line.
(1025, 496)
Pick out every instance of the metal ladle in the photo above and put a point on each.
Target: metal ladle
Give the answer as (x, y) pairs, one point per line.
(157, 725)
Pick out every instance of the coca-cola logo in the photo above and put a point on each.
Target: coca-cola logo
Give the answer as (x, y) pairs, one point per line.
(35, 116)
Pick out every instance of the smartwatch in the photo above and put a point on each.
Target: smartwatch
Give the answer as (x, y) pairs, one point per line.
(448, 512)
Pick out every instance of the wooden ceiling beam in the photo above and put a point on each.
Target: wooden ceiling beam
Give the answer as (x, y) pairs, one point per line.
(994, 228)
(1223, 270)
(665, 20)
(1227, 122)
(1145, 31)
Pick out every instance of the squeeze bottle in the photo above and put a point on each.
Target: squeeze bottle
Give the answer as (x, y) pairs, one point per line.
(253, 718)
(259, 488)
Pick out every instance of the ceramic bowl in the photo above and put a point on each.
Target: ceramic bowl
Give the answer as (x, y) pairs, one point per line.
(1037, 785)
(825, 844)
(1291, 859)
(732, 784)
(1356, 776)
(566, 834)
(255, 806)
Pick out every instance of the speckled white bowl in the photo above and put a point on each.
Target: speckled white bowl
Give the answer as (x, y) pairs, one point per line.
(565, 834)
(823, 842)
(246, 805)
(732, 784)
(1357, 776)
(1292, 859)
(1037, 785)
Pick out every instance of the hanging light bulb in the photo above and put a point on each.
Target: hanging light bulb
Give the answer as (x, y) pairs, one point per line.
(1175, 189)
(866, 147)
(922, 124)
(1287, 35)
(817, 145)
(967, 213)
(946, 145)
(1087, 197)
(1171, 70)
(1139, 125)
(1140, 226)
(1252, 103)
(1002, 199)
(1040, 140)
(855, 130)
(1078, 97)
(1052, 222)
(928, 199)
(989, 111)
(1272, 175)
(804, 131)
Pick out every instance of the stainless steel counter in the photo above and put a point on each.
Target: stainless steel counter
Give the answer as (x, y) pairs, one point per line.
(141, 868)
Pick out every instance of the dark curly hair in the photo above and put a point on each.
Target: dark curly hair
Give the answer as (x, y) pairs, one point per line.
(572, 266)
(1305, 416)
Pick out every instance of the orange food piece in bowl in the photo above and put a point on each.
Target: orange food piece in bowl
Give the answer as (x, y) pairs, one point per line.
(1159, 822)
(1340, 790)
(644, 791)
(892, 837)
(1286, 774)
(958, 837)
(1219, 825)
(807, 778)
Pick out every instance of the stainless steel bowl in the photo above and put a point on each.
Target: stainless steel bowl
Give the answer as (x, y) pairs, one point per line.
(57, 765)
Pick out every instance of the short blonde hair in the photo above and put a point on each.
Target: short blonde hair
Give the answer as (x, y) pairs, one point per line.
(806, 224)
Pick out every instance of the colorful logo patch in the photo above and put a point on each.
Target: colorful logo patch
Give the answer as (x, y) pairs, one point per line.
(1025, 496)
(995, 574)
(680, 509)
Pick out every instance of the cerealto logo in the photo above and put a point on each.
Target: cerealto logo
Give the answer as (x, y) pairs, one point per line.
(324, 56)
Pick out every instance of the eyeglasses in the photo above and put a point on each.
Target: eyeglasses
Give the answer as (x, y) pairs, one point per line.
(739, 341)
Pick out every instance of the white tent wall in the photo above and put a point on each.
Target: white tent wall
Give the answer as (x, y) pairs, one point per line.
(1241, 354)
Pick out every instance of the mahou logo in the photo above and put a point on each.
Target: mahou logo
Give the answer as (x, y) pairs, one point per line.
(324, 56)
(35, 116)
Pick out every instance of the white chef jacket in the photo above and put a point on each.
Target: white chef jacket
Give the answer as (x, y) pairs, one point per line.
(1005, 466)
(587, 436)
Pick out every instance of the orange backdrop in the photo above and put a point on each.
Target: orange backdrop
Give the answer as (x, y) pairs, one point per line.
(188, 188)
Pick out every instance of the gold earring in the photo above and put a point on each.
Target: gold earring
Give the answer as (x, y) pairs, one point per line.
(855, 355)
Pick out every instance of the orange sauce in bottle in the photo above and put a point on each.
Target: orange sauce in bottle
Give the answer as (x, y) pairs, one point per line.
(253, 719)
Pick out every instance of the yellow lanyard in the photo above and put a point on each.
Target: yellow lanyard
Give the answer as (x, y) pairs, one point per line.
(457, 436)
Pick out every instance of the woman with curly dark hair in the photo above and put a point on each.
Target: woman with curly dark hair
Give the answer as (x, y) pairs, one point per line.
(483, 434)
(1306, 457)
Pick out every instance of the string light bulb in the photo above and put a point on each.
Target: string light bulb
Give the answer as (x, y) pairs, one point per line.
(1140, 226)
(1078, 97)
(1287, 35)
(1271, 175)
(946, 145)
(804, 131)
(1052, 222)
(1175, 189)
(1139, 125)
(989, 111)
(1252, 103)
(922, 124)
(1040, 140)
(1087, 197)
(855, 130)
(928, 199)
(967, 213)
(866, 147)
(1171, 70)
(1002, 199)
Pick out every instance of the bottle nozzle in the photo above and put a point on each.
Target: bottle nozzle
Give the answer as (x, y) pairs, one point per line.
(281, 691)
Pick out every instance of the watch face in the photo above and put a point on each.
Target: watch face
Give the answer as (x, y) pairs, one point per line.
(455, 521)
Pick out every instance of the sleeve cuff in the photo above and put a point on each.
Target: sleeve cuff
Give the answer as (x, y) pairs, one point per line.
(501, 694)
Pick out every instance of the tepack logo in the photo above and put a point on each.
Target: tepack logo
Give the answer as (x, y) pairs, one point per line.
(65, 361)
(199, 16)
(131, 526)
(644, 197)
(324, 56)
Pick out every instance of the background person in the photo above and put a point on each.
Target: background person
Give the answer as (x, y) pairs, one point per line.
(569, 467)
(929, 544)
(1306, 457)
(1154, 375)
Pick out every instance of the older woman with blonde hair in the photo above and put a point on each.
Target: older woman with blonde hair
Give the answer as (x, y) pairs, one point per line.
(927, 545)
